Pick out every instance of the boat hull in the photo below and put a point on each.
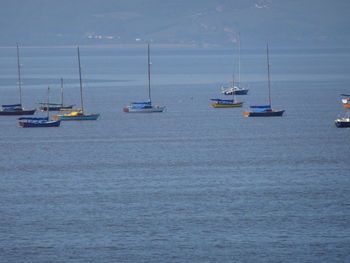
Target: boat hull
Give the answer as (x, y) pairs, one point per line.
(144, 110)
(232, 105)
(84, 117)
(17, 112)
(271, 113)
(38, 124)
(342, 123)
(53, 108)
(237, 92)
(346, 106)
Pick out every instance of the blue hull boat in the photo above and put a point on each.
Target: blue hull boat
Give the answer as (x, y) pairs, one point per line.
(38, 122)
(17, 109)
(342, 123)
(235, 90)
(264, 110)
(145, 106)
(267, 113)
(83, 117)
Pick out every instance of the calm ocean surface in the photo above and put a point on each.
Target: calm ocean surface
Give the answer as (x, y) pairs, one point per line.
(192, 184)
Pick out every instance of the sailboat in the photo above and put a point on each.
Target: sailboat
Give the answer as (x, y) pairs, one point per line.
(343, 122)
(55, 106)
(219, 103)
(16, 109)
(39, 122)
(264, 110)
(77, 114)
(145, 106)
(237, 90)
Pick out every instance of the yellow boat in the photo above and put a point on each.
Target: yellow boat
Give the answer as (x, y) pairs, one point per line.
(70, 109)
(219, 103)
(77, 114)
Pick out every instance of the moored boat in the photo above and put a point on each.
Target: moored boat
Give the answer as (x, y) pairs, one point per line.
(264, 110)
(17, 109)
(78, 115)
(27, 122)
(38, 122)
(146, 106)
(343, 122)
(143, 107)
(236, 90)
(55, 106)
(220, 103)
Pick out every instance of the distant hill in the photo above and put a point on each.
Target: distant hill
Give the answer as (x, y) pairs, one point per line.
(180, 22)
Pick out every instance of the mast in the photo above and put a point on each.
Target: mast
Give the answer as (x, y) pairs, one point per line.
(233, 90)
(19, 77)
(149, 76)
(62, 92)
(268, 72)
(48, 102)
(81, 84)
(239, 60)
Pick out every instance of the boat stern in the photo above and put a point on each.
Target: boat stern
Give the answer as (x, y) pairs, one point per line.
(246, 113)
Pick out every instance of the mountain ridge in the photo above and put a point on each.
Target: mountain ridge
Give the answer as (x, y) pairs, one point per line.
(200, 23)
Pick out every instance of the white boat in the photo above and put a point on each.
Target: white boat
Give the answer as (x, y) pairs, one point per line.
(343, 122)
(145, 106)
(238, 89)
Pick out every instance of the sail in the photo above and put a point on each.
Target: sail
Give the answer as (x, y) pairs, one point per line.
(12, 105)
(141, 106)
(220, 100)
(261, 107)
(260, 110)
(142, 102)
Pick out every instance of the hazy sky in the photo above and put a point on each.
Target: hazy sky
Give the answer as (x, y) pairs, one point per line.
(200, 22)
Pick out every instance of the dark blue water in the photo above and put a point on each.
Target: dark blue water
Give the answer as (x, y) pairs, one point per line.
(192, 184)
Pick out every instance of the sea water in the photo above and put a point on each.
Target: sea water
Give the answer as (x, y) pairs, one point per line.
(191, 184)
